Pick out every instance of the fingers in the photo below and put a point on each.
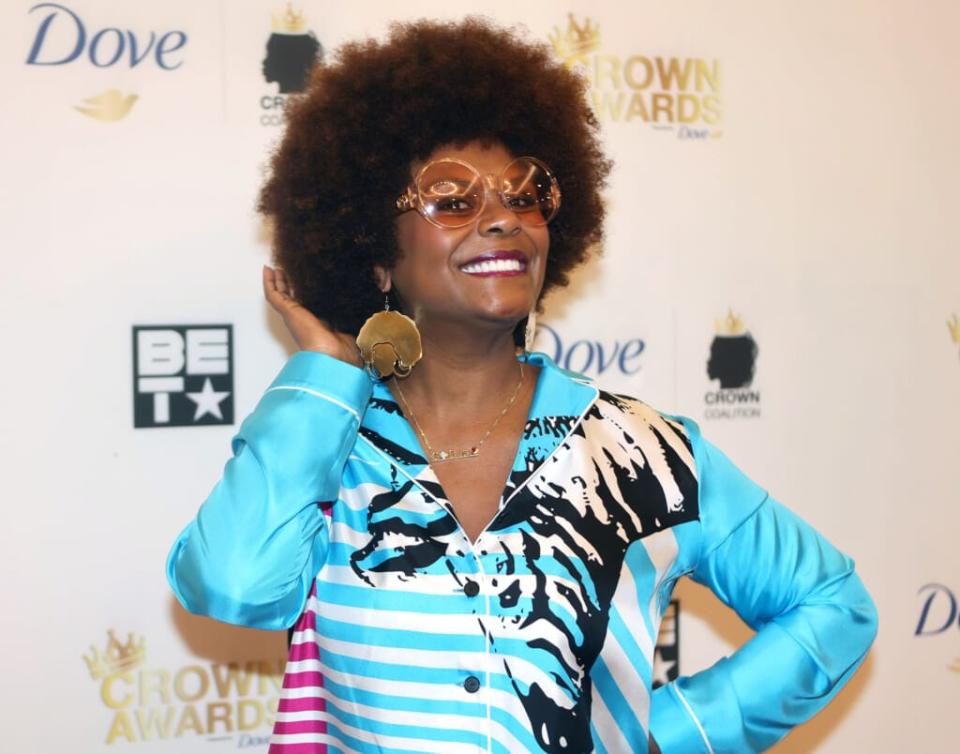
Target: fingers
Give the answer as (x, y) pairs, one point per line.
(276, 289)
(270, 287)
(282, 284)
(309, 332)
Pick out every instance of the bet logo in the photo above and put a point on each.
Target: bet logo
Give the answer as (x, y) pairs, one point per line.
(182, 375)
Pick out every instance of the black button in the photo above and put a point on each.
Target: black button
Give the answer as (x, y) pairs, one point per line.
(472, 684)
(471, 589)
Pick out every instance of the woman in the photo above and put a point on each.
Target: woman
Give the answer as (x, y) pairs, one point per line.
(475, 548)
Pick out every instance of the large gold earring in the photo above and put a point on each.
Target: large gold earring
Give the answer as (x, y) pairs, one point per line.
(530, 332)
(389, 343)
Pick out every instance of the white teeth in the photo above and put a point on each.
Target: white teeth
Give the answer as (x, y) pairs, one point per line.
(493, 265)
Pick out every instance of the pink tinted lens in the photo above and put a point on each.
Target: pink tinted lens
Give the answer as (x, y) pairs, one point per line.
(451, 194)
(529, 189)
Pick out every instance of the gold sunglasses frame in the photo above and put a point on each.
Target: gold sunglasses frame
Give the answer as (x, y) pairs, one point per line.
(411, 199)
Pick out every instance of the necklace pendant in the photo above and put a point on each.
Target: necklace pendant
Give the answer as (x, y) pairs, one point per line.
(439, 456)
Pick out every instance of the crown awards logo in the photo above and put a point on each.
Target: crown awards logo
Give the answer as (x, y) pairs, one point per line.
(292, 50)
(678, 95)
(732, 362)
(220, 701)
(183, 375)
(62, 37)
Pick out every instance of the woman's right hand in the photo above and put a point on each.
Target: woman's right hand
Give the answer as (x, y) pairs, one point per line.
(310, 333)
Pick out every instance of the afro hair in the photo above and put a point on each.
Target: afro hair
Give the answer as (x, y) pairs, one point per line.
(366, 117)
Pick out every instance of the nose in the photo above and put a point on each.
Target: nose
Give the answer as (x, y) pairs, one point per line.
(495, 218)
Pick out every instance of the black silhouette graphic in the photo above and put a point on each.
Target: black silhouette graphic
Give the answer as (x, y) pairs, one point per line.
(289, 60)
(732, 360)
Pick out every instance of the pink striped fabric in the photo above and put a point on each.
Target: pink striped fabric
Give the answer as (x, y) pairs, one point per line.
(306, 649)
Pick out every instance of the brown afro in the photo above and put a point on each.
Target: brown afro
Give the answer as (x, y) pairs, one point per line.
(352, 135)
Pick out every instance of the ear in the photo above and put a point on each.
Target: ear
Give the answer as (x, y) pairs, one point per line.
(383, 277)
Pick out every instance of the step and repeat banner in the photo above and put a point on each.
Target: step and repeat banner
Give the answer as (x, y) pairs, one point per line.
(781, 264)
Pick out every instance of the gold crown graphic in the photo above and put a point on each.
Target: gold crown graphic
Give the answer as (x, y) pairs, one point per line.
(117, 657)
(289, 22)
(954, 326)
(578, 40)
(730, 325)
(956, 666)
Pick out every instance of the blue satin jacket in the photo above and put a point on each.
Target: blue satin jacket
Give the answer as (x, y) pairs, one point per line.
(539, 636)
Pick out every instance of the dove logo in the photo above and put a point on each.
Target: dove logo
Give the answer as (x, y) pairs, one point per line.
(62, 37)
(109, 107)
(939, 616)
(939, 612)
(591, 356)
(182, 375)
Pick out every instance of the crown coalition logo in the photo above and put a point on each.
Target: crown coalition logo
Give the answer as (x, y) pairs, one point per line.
(678, 95)
(183, 375)
(221, 701)
(732, 361)
(63, 38)
(292, 50)
(666, 656)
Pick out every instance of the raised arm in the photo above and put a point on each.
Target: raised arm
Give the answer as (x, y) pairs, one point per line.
(813, 617)
(259, 539)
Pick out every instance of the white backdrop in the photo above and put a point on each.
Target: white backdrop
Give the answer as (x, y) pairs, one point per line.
(819, 207)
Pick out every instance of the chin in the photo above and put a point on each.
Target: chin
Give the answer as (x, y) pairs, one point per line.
(508, 307)
(506, 319)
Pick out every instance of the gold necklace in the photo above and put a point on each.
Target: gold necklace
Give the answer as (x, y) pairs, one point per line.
(452, 454)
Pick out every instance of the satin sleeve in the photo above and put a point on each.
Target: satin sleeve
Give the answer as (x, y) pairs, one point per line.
(258, 540)
(814, 620)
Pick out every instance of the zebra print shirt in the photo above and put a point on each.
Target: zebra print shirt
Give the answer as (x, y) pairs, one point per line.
(539, 636)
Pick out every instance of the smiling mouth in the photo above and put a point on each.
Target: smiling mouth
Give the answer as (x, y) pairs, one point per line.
(497, 263)
(495, 267)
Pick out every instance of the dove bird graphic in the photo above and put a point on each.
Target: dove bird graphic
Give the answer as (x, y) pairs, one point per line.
(109, 106)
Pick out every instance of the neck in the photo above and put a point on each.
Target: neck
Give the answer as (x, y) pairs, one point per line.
(462, 373)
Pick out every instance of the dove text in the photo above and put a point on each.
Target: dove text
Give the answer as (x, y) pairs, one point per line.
(592, 356)
(62, 37)
(938, 612)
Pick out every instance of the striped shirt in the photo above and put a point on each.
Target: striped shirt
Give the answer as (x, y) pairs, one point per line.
(538, 636)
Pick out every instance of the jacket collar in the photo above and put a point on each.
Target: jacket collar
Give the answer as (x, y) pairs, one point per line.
(560, 400)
